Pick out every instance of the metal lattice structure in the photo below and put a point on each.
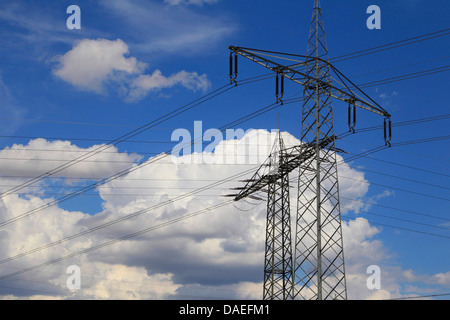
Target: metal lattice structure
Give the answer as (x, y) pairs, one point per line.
(273, 177)
(278, 261)
(318, 267)
(319, 254)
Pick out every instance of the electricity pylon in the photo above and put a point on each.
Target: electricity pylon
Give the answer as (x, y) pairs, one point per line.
(319, 254)
(319, 269)
(278, 262)
(273, 177)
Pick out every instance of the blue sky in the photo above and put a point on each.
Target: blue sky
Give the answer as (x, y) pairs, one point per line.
(159, 55)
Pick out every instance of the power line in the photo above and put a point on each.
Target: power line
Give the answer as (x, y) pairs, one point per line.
(145, 127)
(127, 217)
(345, 137)
(366, 129)
(409, 191)
(402, 143)
(397, 78)
(138, 233)
(147, 230)
(422, 296)
(398, 209)
(406, 76)
(399, 219)
(115, 221)
(405, 179)
(137, 131)
(402, 228)
(360, 53)
(392, 45)
(397, 67)
(76, 123)
(431, 139)
(129, 170)
(108, 243)
(407, 123)
(398, 189)
(212, 188)
(114, 242)
(123, 138)
(140, 213)
(123, 173)
(420, 73)
(179, 188)
(122, 218)
(192, 180)
(158, 128)
(441, 174)
(170, 222)
(366, 85)
(83, 139)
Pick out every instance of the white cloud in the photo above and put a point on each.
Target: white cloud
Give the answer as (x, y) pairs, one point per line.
(113, 282)
(143, 84)
(174, 26)
(91, 64)
(40, 156)
(442, 278)
(217, 254)
(356, 187)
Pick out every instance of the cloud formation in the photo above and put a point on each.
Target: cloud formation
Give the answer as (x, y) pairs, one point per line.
(93, 64)
(173, 27)
(218, 254)
(39, 156)
(144, 84)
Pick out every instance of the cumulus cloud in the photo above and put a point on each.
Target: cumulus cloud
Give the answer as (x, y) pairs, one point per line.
(92, 64)
(442, 279)
(217, 254)
(39, 156)
(111, 281)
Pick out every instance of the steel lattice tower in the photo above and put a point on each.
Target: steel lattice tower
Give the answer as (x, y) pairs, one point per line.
(319, 256)
(318, 264)
(273, 177)
(278, 262)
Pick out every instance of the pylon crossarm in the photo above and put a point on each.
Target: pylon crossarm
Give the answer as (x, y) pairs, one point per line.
(352, 89)
(345, 94)
(255, 184)
(293, 158)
